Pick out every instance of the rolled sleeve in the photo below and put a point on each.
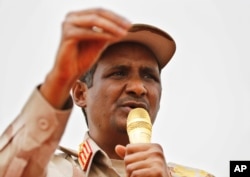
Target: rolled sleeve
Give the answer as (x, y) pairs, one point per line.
(29, 142)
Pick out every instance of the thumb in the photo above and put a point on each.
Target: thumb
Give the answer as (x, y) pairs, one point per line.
(120, 151)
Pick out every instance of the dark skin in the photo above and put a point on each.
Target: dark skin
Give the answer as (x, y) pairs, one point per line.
(79, 50)
(127, 76)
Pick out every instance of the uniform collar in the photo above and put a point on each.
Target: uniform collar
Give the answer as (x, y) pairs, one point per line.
(88, 149)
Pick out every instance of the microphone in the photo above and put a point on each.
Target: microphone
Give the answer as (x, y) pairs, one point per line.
(139, 126)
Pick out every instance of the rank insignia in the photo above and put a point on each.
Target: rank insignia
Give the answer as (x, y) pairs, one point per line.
(84, 155)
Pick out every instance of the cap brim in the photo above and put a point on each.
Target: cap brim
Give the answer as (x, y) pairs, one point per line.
(160, 42)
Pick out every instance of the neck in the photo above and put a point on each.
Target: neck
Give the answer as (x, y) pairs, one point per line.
(108, 144)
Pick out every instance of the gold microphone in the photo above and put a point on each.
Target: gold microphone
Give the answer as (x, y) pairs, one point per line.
(139, 126)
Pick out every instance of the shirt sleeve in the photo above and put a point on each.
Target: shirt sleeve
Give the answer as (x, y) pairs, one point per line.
(178, 170)
(29, 142)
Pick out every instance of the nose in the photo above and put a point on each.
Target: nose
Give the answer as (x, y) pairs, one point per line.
(136, 87)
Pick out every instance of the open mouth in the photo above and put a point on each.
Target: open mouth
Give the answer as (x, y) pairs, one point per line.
(133, 105)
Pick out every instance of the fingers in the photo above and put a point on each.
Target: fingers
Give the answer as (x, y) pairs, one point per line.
(80, 24)
(79, 33)
(141, 152)
(116, 18)
(120, 151)
(145, 160)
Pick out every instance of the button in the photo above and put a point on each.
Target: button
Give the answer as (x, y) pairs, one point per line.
(43, 124)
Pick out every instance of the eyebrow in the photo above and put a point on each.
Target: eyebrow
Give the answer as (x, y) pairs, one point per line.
(150, 69)
(141, 69)
(121, 66)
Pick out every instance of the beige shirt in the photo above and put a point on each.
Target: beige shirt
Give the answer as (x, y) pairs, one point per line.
(29, 142)
(28, 145)
(97, 163)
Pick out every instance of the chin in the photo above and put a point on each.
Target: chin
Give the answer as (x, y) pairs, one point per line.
(122, 129)
(120, 124)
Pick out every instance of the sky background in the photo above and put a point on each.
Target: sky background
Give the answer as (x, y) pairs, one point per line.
(204, 121)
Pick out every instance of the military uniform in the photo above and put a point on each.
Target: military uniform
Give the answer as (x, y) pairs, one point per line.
(28, 145)
(96, 163)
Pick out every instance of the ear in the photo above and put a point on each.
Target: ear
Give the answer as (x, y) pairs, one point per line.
(79, 91)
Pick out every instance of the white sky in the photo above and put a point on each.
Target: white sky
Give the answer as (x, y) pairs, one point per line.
(205, 109)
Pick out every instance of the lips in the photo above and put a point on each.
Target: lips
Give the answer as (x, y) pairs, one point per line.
(135, 104)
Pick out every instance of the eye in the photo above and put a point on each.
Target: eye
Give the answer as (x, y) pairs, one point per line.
(118, 74)
(150, 74)
(151, 77)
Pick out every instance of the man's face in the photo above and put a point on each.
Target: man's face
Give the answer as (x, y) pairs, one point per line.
(127, 76)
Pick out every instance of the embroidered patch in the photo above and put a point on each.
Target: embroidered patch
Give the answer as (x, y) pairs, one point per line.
(84, 155)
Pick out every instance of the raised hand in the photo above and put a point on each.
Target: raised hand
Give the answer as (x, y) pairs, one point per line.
(85, 34)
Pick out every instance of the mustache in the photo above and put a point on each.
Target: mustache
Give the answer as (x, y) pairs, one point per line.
(134, 102)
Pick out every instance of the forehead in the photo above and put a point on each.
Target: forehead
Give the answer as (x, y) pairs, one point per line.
(124, 51)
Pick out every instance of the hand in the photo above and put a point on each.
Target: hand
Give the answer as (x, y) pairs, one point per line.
(80, 48)
(81, 45)
(144, 159)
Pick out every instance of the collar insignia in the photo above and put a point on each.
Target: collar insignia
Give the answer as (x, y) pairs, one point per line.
(84, 155)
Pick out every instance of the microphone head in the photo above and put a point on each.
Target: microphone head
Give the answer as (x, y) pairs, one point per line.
(139, 126)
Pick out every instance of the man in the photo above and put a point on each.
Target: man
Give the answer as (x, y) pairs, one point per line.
(119, 66)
